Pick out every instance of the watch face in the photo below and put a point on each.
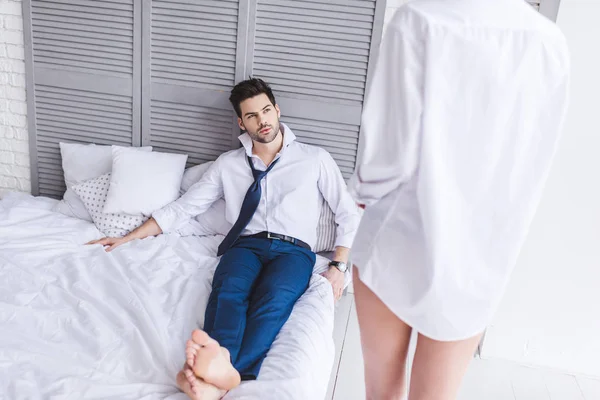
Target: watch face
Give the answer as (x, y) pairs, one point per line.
(339, 265)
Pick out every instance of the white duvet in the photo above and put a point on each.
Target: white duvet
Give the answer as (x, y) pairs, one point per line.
(79, 323)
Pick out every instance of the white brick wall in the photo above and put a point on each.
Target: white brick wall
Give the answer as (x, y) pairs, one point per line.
(14, 140)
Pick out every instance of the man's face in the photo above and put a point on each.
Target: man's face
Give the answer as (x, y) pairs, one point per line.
(260, 118)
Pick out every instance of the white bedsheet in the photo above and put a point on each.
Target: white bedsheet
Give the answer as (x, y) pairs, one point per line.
(79, 323)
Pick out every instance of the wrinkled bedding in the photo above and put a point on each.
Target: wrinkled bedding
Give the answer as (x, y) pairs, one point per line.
(79, 323)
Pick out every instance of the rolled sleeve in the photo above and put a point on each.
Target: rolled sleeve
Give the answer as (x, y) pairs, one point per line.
(169, 217)
(334, 191)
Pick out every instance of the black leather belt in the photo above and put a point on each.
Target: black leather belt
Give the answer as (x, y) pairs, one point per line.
(277, 236)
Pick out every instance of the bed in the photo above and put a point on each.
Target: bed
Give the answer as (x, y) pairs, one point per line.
(77, 322)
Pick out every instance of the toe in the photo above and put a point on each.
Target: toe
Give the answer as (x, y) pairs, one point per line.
(192, 346)
(200, 337)
(191, 379)
(190, 357)
(184, 384)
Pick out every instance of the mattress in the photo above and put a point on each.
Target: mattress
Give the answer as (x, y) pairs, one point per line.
(77, 322)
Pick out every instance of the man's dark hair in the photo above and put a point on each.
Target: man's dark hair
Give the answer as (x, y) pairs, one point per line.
(248, 89)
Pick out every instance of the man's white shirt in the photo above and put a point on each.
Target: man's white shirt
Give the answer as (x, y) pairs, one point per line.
(291, 192)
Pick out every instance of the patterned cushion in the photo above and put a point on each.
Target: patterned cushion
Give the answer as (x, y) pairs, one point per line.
(326, 229)
(93, 193)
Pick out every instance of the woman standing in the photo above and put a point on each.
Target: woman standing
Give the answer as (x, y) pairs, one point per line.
(460, 126)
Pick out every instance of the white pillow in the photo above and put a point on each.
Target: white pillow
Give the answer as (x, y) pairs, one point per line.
(141, 183)
(93, 194)
(72, 206)
(193, 175)
(212, 221)
(326, 229)
(81, 162)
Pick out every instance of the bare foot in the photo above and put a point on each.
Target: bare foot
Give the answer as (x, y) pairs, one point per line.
(210, 361)
(196, 388)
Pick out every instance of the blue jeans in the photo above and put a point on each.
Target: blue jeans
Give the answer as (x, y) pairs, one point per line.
(255, 287)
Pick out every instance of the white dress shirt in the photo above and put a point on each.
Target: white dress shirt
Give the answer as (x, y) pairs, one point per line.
(460, 125)
(291, 192)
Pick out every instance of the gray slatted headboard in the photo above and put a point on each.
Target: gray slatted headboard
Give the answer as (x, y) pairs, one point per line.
(142, 72)
(316, 56)
(83, 67)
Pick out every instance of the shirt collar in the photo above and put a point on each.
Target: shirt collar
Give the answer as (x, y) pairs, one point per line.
(288, 138)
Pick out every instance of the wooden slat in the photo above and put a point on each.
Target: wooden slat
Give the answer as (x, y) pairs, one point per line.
(215, 31)
(117, 112)
(356, 66)
(61, 134)
(174, 108)
(191, 143)
(117, 8)
(195, 71)
(74, 34)
(122, 21)
(88, 120)
(174, 78)
(82, 96)
(321, 80)
(214, 11)
(204, 137)
(303, 9)
(75, 28)
(78, 41)
(334, 38)
(194, 154)
(361, 6)
(174, 120)
(85, 48)
(79, 58)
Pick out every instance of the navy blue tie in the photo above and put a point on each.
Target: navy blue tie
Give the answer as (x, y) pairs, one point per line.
(249, 207)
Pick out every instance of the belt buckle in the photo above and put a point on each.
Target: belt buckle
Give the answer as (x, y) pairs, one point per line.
(272, 237)
(289, 239)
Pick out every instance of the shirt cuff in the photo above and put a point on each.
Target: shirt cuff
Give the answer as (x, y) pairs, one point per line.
(166, 218)
(363, 193)
(354, 186)
(344, 235)
(345, 240)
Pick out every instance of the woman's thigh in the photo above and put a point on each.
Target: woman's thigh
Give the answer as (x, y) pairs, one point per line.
(385, 339)
(439, 367)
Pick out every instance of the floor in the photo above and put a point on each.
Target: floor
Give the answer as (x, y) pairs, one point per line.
(485, 379)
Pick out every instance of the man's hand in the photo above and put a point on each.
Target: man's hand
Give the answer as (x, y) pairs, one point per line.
(148, 228)
(336, 278)
(110, 242)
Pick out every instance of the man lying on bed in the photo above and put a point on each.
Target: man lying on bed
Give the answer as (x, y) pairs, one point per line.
(266, 261)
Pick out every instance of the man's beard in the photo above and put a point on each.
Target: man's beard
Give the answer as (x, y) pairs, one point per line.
(257, 137)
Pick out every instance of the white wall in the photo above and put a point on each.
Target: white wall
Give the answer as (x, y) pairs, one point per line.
(14, 143)
(550, 315)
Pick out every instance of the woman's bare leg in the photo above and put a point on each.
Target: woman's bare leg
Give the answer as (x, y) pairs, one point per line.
(385, 339)
(439, 367)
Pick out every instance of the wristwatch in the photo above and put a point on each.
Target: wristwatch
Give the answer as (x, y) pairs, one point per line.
(341, 266)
